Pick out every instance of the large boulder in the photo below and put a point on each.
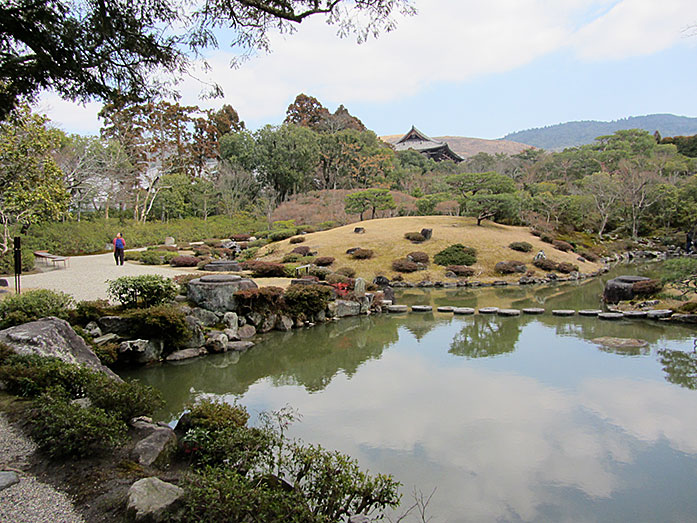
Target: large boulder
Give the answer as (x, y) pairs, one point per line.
(121, 325)
(216, 292)
(53, 337)
(151, 499)
(141, 351)
(158, 443)
(343, 308)
(621, 288)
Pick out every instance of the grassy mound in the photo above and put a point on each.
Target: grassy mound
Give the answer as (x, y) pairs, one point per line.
(385, 237)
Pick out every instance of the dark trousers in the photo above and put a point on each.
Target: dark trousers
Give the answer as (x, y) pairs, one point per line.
(118, 256)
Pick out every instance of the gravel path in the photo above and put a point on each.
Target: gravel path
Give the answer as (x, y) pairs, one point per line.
(85, 277)
(29, 501)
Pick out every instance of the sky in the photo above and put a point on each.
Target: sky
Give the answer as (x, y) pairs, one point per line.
(464, 68)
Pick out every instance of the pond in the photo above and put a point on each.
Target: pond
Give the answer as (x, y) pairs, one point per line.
(508, 419)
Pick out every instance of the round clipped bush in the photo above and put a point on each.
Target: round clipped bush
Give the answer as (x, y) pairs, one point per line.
(456, 254)
(418, 257)
(520, 246)
(510, 267)
(319, 272)
(291, 257)
(156, 257)
(562, 245)
(546, 264)
(213, 242)
(304, 300)
(324, 261)
(404, 265)
(297, 239)
(415, 237)
(362, 254)
(590, 256)
(349, 272)
(240, 237)
(303, 250)
(646, 287)
(567, 267)
(282, 234)
(262, 269)
(335, 278)
(184, 261)
(461, 270)
(144, 290)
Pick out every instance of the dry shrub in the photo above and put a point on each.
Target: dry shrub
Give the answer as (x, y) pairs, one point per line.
(362, 254)
(566, 267)
(240, 237)
(324, 261)
(303, 250)
(349, 272)
(520, 246)
(510, 267)
(546, 264)
(461, 270)
(418, 257)
(184, 261)
(262, 269)
(297, 239)
(404, 265)
(562, 245)
(415, 237)
(646, 287)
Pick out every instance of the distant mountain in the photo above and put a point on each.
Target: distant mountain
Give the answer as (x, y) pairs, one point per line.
(571, 134)
(467, 147)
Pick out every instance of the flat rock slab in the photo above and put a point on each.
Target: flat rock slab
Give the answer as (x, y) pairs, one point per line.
(239, 346)
(222, 266)
(396, 308)
(488, 310)
(445, 309)
(220, 278)
(533, 310)
(463, 310)
(151, 498)
(610, 315)
(509, 312)
(656, 314)
(589, 312)
(620, 343)
(563, 312)
(185, 354)
(7, 479)
(634, 314)
(421, 308)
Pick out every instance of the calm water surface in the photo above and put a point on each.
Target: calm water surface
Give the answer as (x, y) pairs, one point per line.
(511, 419)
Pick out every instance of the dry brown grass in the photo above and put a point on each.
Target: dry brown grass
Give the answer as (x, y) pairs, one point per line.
(386, 238)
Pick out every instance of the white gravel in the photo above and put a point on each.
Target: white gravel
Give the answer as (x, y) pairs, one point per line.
(85, 277)
(29, 501)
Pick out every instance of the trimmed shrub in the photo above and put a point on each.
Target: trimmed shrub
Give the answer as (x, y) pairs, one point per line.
(562, 245)
(240, 237)
(362, 254)
(456, 254)
(263, 299)
(307, 300)
(546, 264)
(303, 250)
(169, 248)
(646, 287)
(125, 400)
(7, 261)
(414, 237)
(184, 261)
(213, 242)
(31, 375)
(567, 268)
(335, 278)
(164, 322)
(590, 256)
(418, 257)
(63, 429)
(461, 270)
(87, 311)
(202, 250)
(291, 257)
(324, 261)
(132, 255)
(283, 234)
(319, 272)
(183, 281)
(32, 305)
(297, 239)
(203, 261)
(547, 238)
(262, 269)
(145, 290)
(509, 267)
(349, 272)
(156, 257)
(520, 246)
(404, 265)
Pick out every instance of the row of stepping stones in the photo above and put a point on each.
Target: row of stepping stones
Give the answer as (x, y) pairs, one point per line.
(652, 314)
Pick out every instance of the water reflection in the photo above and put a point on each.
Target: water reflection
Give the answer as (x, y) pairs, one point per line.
(680, 367)
(485, 336)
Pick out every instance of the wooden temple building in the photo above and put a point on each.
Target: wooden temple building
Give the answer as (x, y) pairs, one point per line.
(423, 144)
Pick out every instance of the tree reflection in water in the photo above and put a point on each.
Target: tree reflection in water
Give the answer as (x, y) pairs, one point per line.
(680, 367)
(485, 336)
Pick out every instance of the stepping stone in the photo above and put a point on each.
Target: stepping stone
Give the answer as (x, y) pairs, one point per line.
(421, 308)
(488, 310)
(610, 315)
(533, 310)
(386, 303)
(396, 308)
(463, 310)
(620, 343)
(634, 314)
(7, 479)
(509, 312)
(563, 312)
(589, 312)
(445, 309)
(656, 314)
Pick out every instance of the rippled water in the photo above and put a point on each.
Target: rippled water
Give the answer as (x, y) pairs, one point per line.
(510, 419)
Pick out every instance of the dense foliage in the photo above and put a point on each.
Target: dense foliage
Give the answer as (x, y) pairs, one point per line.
(33, 305)
(142, 291)
(456, 254)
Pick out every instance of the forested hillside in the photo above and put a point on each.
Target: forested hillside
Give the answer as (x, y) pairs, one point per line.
(572, 134)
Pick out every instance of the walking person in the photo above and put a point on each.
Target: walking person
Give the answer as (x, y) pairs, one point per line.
(119, 246)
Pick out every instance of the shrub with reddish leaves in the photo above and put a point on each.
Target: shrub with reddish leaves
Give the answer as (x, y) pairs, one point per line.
(303, 250)
(184, 261)
(362, 254)
(324, 261)
(461, 270)
(404, 265)
(297, 239)
(562, 245)
(262, 269)
(418, 257)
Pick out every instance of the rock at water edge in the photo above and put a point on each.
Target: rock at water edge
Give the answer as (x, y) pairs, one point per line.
(152, 499)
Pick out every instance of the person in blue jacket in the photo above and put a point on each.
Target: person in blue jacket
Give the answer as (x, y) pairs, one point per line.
(119, 246)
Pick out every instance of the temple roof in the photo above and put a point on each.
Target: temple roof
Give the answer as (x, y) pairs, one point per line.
(419, 142)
